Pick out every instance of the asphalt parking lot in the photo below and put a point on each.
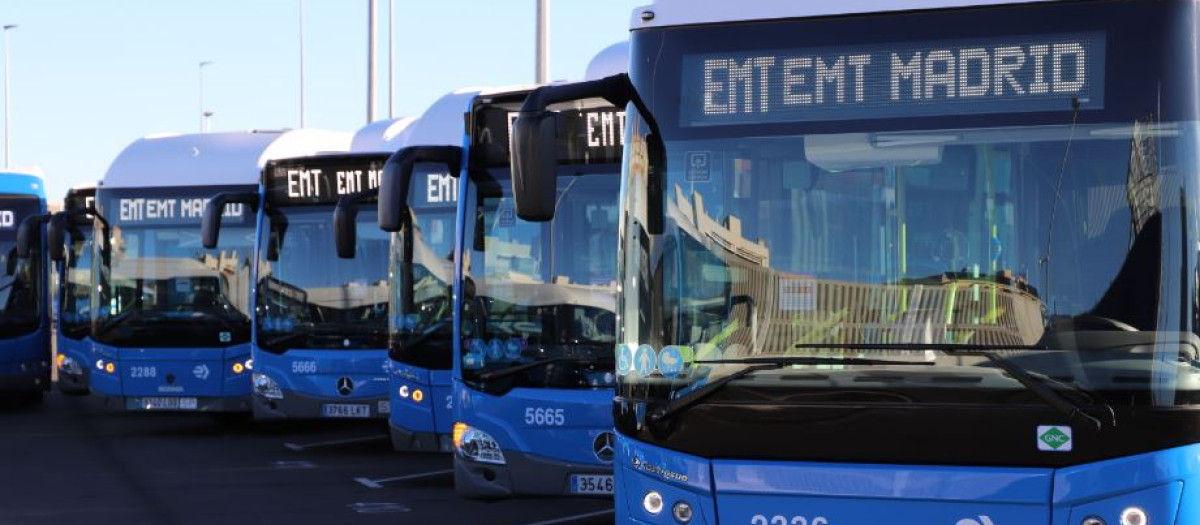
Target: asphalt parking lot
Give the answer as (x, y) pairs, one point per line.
(69, 461)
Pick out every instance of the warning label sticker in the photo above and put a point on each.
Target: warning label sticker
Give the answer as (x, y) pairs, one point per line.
(798, 294)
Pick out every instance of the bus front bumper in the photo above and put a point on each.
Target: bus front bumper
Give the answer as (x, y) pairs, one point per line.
(297, 405)
(405, 440)
(24, 376)
(225, 404)
(522, 474)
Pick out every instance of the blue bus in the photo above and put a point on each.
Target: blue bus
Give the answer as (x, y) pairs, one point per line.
(919, 264)
(73, 341)
(420, 276)
(320, 328)
(24, 314)
(532, 377)
(171, 330)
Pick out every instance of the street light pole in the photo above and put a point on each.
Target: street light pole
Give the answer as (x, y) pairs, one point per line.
(391, 59)
(7, 162)
(301, 63)
(543, 41)
(371, 61)
(203, 114)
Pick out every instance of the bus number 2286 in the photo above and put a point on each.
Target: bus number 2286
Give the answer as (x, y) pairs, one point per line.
(759, 519)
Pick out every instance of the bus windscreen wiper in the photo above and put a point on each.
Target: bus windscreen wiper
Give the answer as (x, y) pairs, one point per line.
(1032, 381)
(516, 369)
(758, 364)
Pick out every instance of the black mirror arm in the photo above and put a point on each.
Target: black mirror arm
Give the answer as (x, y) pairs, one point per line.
(215, 208)
(29, 227)
(345, 215)
(619, 91)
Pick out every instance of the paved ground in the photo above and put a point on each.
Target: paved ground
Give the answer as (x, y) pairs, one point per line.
(71, 462)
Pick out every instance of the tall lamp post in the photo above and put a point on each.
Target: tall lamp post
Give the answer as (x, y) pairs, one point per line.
(203, 113)
(301, 63)
(7, 162)
(543, 42)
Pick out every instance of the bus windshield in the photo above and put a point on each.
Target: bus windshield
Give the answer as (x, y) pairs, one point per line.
(908, 202)
(539, 291)
(160, 287)
(20, 279)
(422, 270)
(310, 298)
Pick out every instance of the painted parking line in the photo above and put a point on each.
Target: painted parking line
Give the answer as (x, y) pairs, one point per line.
(575, 518)
(300, 447)
(378, 483)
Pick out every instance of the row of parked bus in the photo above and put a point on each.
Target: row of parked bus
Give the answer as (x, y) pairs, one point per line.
(839, 263)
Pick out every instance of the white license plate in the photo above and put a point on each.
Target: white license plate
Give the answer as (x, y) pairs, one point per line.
(168, 403)
(591, 484)
(341, 410)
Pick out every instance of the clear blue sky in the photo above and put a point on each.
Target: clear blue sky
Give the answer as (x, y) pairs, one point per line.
(89, 77)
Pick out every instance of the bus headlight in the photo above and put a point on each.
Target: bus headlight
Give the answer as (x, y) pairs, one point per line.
(652, 503)
(682, 512)
(1134, 516)
(69, 366)
(240, 367)
(266, 387)
(476, 445)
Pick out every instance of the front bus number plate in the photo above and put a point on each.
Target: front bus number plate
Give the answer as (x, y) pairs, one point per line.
(591, 484)
(343, 410)
(168, 403)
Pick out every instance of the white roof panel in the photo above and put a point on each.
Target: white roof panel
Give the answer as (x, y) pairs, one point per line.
(612, 60)
(442, 123)
(214, 159)
(690, 12)
(383, 136)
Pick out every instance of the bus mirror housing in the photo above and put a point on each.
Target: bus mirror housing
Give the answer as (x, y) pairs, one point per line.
(28, 234)
(210, 226)
(534, 164)
(56, 242)
(397, 179)
(535, 139)
(345, 222)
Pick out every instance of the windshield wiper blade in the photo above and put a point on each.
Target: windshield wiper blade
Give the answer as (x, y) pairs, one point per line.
(1032, 381)
(516, 369)
(758, 364)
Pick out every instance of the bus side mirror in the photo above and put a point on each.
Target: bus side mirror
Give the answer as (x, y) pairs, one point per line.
(28, 234)
(210, 226)
(534, 163)
(397, 178)
(56, 242)
(345, 223)
(535, 140)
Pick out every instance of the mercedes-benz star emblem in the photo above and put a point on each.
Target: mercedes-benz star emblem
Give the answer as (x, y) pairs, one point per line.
(345, 386)
(604, 447)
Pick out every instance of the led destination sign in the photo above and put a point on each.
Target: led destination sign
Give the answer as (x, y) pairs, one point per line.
(173, 207)
(323, 181)
(1020, 74)
(589, 136)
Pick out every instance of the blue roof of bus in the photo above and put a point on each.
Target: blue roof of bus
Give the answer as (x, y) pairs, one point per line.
(18, 183)
(667, 13)
(214, 159)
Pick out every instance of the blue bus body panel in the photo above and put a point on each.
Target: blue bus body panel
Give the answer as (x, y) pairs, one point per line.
(433, 413)
(1166, 485)
(584, 415)
(200, 372)
(25, 358)
(22, 184)
(316, 372)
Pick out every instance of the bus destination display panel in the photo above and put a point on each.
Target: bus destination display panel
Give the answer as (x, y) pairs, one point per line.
(1018, 74)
